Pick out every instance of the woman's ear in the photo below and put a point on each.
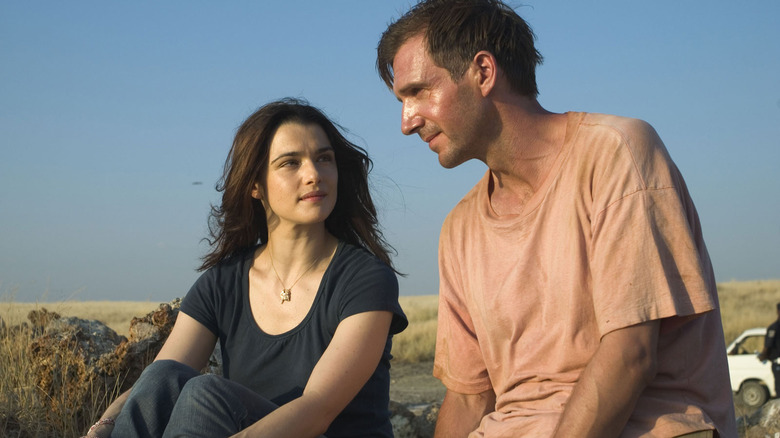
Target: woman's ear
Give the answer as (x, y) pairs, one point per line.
(257, 191)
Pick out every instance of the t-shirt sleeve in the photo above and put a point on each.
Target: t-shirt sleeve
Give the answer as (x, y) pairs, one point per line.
(371, 286)
(458, 362)
(648, 258)
(200, 301)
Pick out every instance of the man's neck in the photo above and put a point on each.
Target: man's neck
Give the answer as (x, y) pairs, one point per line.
(521, 159)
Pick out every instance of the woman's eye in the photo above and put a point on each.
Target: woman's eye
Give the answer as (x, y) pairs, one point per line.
(327, 157)
(289, 163)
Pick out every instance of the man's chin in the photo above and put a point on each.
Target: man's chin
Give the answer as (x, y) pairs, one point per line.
(448, 162)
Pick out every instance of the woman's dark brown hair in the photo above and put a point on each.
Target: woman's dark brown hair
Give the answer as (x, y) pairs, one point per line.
(239, 222)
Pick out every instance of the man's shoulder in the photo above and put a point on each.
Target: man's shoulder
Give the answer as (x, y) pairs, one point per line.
(605, 129)
(615, 122)
(469, 205)
(625, 146)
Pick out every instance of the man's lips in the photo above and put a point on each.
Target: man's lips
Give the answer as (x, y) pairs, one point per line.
(429, 138)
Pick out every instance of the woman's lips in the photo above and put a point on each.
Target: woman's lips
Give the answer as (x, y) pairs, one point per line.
(314, 196)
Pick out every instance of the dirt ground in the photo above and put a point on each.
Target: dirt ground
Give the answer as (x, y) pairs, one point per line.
(413, 384)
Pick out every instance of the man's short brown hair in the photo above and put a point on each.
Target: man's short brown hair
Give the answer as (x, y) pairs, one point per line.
(455, 30)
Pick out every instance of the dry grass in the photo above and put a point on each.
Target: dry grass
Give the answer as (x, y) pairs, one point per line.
(417, 342)
(744, 305)
(747, 304)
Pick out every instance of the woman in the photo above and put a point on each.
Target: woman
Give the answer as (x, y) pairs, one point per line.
(298, 289)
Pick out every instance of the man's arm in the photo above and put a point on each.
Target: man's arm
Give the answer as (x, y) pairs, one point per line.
(460, 414)
(606, 393)
(769, 340)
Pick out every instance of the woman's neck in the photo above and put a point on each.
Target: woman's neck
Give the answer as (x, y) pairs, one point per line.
(296, 249)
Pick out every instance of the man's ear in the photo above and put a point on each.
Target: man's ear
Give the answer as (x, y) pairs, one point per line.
(257, 191)
(485, 69)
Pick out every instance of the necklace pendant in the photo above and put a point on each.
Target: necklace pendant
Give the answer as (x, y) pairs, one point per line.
(284, 295)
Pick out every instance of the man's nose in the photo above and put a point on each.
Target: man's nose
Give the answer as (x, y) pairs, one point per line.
(410, 120)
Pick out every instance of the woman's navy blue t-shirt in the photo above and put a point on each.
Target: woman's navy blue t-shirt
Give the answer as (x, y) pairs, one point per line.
(278, 366)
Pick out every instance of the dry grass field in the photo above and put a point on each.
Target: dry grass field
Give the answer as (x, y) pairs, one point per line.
(747, 304)
(416, 343)
(744, 305)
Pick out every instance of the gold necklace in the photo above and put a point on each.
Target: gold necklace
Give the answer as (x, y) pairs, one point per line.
(286, 293)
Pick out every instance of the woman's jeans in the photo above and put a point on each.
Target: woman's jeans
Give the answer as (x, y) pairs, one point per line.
(171, 399)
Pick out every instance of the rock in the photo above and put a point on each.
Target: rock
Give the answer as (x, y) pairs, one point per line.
(15, 330)
(215, 361)
(763, 423)
(147, 336)
(66, 356)
(77, 361)
(402, 420)
(426, 422)
(41, 318)
(407, 425)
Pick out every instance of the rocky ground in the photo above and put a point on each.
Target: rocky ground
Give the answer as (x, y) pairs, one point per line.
(412, 384)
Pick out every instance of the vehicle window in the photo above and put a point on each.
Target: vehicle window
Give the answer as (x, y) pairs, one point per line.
(750, 345)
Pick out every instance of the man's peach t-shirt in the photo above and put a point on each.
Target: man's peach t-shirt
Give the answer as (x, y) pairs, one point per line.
(610, 240)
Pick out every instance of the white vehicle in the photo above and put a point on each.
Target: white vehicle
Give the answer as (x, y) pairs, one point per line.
(751, 380)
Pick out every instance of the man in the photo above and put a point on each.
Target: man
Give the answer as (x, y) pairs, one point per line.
(577, 298)
(771, 349)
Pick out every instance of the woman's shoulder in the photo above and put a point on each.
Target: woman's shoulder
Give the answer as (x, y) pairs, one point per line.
(235, 261)
(364, 283)
(350, 257)
(226, 270)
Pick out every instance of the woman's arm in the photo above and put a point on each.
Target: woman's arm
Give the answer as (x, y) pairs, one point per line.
(345, 366)
(190, 343)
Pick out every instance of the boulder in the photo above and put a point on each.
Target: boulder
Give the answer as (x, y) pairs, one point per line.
(763, 423)
(67, 362)
(77, 361)
(425, 423)
(147, 336)
(408, 425)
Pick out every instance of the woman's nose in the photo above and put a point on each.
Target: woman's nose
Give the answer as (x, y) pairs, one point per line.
(311, 172)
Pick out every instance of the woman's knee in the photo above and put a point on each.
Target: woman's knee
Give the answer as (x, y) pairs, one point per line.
(165, 373)
(209, 394)
(204, 384)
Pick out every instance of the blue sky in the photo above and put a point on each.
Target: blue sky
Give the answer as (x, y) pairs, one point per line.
(110, 111)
